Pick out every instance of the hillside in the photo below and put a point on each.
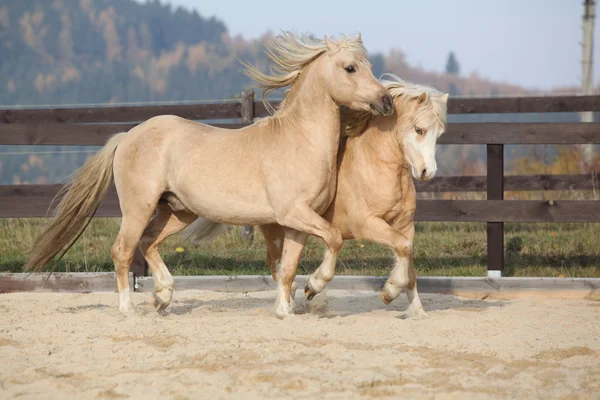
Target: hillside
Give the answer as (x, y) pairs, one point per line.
(73, 52)
(84, 51)
(68, 52)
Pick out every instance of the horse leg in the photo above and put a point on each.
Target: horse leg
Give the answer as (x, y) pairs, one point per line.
(274, 235)
(415, 308)
(293, 244)
(378, 231)
(164, 224)
(305, 219)
(322, 276)
(133, 224)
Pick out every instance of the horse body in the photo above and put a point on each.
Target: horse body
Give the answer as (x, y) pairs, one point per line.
(281, 169)
(375, 197)
(242, 177)
(361, 191)
(187, 165)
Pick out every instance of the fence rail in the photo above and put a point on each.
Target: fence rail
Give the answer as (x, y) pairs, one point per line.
(91, 126)
(96, 134)
(33, 201)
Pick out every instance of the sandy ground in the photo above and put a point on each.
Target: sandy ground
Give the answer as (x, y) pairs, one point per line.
(342, 345)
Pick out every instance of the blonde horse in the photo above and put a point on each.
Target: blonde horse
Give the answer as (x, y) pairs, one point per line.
(376, 198)
(281, 169)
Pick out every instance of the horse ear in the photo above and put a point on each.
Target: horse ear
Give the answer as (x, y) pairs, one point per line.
(331, 46)
(422, 98)
(359, 37)
(445, 98)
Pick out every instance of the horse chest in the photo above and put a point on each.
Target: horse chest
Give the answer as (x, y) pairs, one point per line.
(397, 204)
(393, 213)
(324, 193)
(398, 214)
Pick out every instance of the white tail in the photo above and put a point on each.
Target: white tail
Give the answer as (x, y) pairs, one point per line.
(202, 231)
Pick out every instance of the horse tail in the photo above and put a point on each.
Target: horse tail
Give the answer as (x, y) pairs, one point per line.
(202, 230)
(80, 200)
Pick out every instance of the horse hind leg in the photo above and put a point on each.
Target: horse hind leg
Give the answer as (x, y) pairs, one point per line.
(166, 223)
(274, 237)
(132, 226)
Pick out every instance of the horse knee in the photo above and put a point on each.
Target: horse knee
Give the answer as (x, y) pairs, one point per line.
(121, 257)
(335, 240)
(404, 248)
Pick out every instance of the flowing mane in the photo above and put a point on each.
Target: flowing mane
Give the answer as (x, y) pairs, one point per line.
(289, 54)
(354, 123)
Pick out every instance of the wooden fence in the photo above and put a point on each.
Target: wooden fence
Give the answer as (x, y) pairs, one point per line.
(92, 126)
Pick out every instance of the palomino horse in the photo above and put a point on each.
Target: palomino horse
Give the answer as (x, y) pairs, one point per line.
(376, 197)
(281, 169)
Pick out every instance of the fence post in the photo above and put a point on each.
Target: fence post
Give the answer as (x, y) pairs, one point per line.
(495, 191)
(139, 266)
(247, 112)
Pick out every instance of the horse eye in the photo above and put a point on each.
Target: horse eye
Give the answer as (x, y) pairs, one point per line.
(350, 69)
(419, 131)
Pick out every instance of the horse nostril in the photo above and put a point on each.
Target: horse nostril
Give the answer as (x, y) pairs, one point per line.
(424, 174)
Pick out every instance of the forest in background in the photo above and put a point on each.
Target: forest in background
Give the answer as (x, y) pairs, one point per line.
(121, 51)
(74, 52)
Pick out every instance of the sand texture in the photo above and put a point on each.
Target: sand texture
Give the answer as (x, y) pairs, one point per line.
(342, 345)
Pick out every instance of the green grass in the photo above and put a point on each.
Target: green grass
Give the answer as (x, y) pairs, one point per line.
(442, 249)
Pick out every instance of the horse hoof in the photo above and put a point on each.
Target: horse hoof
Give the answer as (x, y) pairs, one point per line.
(127, 310)
(162, 298)
(160, 306)
(386, 298)
(419, 315)
(309, 293)
(282, 312)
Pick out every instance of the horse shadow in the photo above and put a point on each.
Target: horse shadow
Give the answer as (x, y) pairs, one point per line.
(325, 305)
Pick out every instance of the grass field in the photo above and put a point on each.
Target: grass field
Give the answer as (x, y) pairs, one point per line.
(444, 249)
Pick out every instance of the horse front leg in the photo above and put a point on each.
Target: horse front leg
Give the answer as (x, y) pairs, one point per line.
(274, 235)
(321, 277)
(285, 271)
(415, 308)
(403, 276)
(304, 219)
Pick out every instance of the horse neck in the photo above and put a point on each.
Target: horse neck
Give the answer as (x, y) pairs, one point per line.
(378, 145)
(309, 108)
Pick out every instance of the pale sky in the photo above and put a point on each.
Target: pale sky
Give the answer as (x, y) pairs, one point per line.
(533, 43)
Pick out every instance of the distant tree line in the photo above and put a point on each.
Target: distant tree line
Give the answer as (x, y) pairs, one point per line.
(67, 52)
